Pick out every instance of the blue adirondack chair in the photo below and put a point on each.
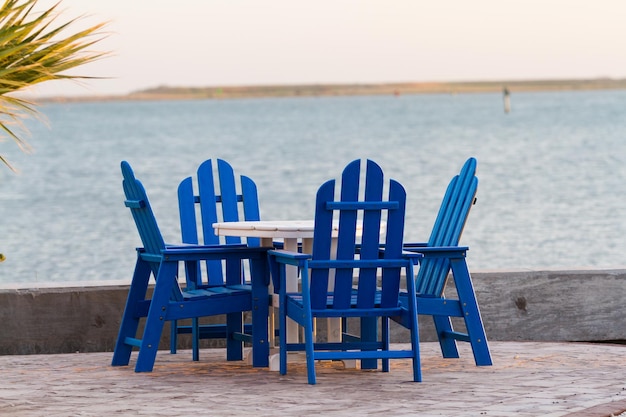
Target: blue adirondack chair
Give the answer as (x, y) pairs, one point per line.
(169, 302)
(218, 201)
(340, 301)
(442, 255)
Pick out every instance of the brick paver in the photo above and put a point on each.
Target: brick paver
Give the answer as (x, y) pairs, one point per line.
(527, 379)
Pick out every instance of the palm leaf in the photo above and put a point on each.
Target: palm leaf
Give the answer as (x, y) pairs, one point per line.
(34, 48)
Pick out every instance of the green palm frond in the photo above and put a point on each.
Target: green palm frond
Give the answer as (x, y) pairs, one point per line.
(34, 49)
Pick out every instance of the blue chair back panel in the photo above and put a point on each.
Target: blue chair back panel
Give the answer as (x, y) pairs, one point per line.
(137, 201)
(149, 232)
(216, 205)
(451, 219)
(349, 207)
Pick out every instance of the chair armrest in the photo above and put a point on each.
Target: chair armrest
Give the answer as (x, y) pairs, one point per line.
(413, 256)
(415, 245)
(195, 245)
(281, 245)
(440, 251)
(288, 257)
(210, 252)
(406, 246)
(279, 256)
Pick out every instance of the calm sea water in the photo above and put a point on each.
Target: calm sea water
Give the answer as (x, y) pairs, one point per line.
(551, 193)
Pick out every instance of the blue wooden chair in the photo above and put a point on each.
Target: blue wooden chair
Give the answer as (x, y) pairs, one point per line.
(169, 302)
(366, 301)
(215, 200)
(442, 255)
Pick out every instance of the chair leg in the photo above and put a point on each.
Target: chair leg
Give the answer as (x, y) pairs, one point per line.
(369, 333)
(234, 348)
(309, 339)
(282, 325)
(413, 324)
(385, 339)
(473, 320)
(443, 326)
(195, 339)
(130, 322)
(159, 305)
(173, 336)
(260, 313)
(415, 345)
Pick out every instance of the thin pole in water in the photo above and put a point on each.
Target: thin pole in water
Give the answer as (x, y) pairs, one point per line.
(507, 99)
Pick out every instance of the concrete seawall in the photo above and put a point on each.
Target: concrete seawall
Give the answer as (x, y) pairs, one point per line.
(576, 305)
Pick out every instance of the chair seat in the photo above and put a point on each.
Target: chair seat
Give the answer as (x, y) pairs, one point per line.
(221, 291)
(354, 310)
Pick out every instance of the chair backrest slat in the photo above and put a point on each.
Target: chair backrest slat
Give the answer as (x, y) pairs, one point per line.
(370, 235)
(448, 227)
(393, 244)
(251, 210)
(346, 239)
(186, 208)
(228, 192)
(322, 244)
(208, 203)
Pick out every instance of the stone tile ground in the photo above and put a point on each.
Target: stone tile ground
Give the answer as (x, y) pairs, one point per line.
(527, 379)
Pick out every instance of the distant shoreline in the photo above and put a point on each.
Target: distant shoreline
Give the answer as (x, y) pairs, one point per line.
(313, 90)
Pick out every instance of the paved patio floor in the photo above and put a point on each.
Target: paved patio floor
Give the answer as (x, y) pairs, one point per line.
(527, 379)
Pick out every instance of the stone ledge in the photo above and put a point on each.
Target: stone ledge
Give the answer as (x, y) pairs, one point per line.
(576, 305)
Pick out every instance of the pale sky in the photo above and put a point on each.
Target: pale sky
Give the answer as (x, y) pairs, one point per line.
(255, 42)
